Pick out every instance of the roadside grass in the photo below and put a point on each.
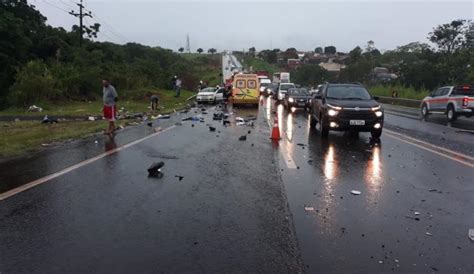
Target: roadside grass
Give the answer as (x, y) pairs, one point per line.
(133, 101)
(259, 64)
(21, 137)
(403, 92)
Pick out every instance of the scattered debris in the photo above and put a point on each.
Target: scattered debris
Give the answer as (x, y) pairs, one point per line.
(243, 138)
(309, 208)
(150, 124)
(409, 217)
(471, 234)
(212, 129)
(416, 213)
(178, 124)
(155, 169)
(163, 116)
(47, 120)
(34, 108)
(380, 262)
(249, 132)
(301, 145)
(179, 177)
(355, 192)
(429, 234)
(91, 118)
(157, 129)
(17, 120)
(96, 141)
(226, 122)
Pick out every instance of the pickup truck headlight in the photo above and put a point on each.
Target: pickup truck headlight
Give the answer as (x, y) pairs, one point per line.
(376, 108)
(291, 100)
(332, 112)
(378, 113)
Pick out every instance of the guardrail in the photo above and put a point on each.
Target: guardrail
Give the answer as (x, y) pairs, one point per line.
(400, 101)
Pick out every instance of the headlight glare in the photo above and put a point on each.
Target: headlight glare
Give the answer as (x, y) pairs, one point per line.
(332, 112)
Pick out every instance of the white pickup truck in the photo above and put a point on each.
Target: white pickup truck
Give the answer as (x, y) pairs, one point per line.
(453, 101)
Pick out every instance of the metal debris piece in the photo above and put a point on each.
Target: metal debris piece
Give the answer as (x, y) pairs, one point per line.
(416, 213)
(212, 129)
(429, 234)
(179, 177)
(355, 192)
(243, 138)
(471, 234)
(309, 208)
(155, 169)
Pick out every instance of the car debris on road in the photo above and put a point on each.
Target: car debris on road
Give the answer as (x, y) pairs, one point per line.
(155, 169)
(356, 192)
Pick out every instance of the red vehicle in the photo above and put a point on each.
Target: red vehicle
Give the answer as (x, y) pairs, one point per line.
(262, 73)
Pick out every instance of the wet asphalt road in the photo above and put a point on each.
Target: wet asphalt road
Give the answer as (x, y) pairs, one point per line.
(241, 204)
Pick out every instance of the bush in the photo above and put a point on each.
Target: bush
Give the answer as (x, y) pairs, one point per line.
(34, 83)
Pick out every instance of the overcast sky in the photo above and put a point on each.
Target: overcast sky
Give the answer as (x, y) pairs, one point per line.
(237, 25)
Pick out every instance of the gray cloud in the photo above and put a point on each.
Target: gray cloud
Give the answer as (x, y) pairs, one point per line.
(240, 25)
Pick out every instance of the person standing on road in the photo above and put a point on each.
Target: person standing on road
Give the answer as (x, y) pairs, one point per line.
(178, 87)
(110, 99)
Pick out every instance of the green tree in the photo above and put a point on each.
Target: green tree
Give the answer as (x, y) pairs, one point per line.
(181, 49)
(212, 50)
(452, 36)
(310, 75)
(330, 50)
(200, 50)
(318, 50)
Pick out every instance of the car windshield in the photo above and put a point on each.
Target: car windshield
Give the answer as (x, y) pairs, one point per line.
(264, 84)
(208, 90)
(299, 92)
(286, 87)
(348, 93)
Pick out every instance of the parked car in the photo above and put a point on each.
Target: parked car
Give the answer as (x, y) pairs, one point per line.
(282, 89)
(346, 107)
(297, 97)
(453, 101)
(211, 95)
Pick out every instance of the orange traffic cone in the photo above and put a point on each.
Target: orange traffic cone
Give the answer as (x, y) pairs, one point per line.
(276, 130)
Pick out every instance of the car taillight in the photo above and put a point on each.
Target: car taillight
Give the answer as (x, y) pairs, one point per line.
(466, 87)
(465, 101)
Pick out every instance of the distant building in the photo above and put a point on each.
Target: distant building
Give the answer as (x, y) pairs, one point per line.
(293, 63)
(331, 66)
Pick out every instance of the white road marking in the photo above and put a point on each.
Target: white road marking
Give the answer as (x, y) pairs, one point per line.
(401, 138)
(10, 193)
(430, 145)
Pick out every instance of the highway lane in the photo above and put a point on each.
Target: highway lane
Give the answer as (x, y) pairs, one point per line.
(413, 213)
(241, 205)
(228, 214)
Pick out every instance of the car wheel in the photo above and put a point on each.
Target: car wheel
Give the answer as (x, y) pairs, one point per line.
(376, 133)
(324, 127)
(424, 110)
(312, 121)
(451, 114)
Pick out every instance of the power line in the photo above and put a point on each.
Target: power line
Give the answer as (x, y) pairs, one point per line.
(59, 8)
(67, 4)
(111, 29)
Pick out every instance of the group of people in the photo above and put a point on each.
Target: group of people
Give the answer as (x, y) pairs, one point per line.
(110, 98)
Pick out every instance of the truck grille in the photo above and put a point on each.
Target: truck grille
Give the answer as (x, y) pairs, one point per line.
(356, 115)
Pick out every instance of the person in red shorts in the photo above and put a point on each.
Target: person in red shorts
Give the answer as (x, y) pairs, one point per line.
(110, 98)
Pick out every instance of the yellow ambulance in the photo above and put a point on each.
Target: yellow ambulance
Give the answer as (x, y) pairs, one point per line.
(245, 89)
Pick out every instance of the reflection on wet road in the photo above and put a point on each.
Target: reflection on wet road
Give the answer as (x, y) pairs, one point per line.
(370, 232)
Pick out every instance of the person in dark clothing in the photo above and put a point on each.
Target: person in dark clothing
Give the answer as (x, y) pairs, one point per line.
(154, 102)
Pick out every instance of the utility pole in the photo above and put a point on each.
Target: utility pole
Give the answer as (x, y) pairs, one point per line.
(81, 16)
